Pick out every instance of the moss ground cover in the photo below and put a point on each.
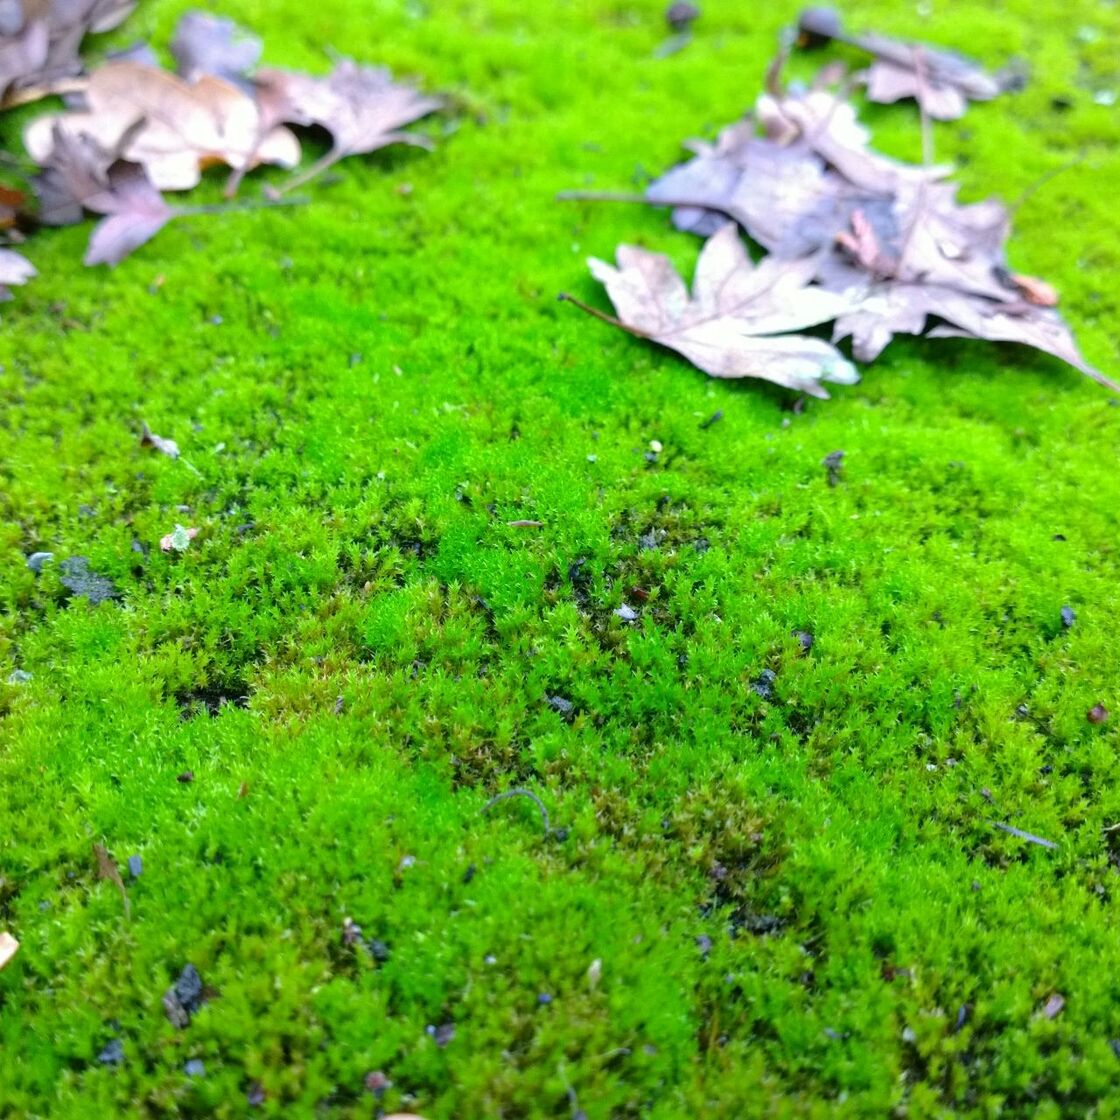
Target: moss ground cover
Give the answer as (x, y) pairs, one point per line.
(783, 859)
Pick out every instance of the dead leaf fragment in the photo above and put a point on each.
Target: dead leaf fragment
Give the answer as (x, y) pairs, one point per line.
(184, 126)
(9, 946)
(1053, 1006)
(206, 44)
(148, 438)
(107, 869)
(14, 270)
(733, 323)
(178, 540)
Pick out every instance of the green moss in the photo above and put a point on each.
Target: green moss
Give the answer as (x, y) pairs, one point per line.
(390, 383)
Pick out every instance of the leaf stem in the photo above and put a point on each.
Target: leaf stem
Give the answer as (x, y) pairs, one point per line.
(233, 207)
(595, 313)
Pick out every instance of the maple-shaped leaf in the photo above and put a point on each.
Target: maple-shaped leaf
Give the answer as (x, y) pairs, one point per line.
(360, 106)
(14, 270)
(943, 82)
(206, 44)
(185, 125)
(135, 212)
(736, 321)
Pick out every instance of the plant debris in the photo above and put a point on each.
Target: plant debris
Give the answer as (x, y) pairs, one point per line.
(732, 324)
(1028, 836)
(131, 130)
(107, 869)
(942, 82)
(9, 946)
(887, 240)
(148, 438)
(1097, 714)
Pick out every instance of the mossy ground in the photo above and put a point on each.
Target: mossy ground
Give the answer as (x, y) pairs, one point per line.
(368, 389)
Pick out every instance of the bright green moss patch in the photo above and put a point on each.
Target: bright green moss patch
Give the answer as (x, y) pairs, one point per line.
(793, 885)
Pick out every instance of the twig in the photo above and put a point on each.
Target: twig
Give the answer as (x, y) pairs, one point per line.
(1045, 178)
(1028, 836)
(506, 794)
(234, 207)
(36, 93)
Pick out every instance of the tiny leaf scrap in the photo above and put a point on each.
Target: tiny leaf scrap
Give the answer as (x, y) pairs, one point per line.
(736, 322)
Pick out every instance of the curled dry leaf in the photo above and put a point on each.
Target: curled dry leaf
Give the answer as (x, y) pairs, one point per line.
(148, 438)
(360, 106)
(733, 323)
(943, 82)
(206, 44)
(14, 270)
(183, 126)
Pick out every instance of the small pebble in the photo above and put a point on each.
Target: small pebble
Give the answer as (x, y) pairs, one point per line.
(185, 778)
(378, 950)
(681, 14)
(544, 999)
(195, 1068)
(655, 446)
(188, 988)
(255, 1095)
(626, 613)
(112, 1054)
(377, 1083)
(704, 944)
(560, 705)
(763, 684)
(804, 639)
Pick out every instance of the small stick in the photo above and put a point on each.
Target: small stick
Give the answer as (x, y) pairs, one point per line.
(1028, 836)
(523, 523)
(506, 794)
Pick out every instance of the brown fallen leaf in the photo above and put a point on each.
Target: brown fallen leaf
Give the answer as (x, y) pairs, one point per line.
(360, 106)
(9, 946)
(184, 126)
(735, 322)
(14, 270)
(942, 81)
(107, 869)
(206, 44)
(39, 48)
(148, 438)
(134, 213)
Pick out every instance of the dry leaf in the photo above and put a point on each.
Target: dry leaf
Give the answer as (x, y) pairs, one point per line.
(206, 44)
(14, 270)
(9, 946)
(185, 126)
(360, 106)
(732, 325)
(107, 869)
(942, 81)
(148, 438)
(40, 46)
